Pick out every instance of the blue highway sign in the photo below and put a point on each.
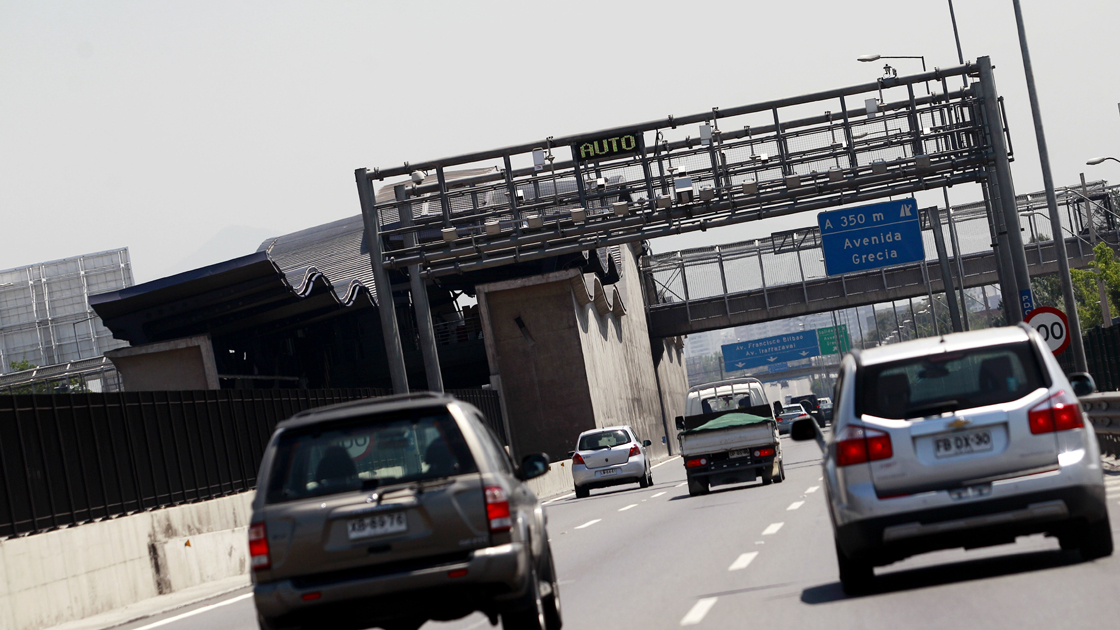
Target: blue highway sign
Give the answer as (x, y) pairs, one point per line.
(879, 235)
(778, 349)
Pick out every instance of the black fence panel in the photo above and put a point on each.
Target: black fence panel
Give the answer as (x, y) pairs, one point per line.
(72, 458)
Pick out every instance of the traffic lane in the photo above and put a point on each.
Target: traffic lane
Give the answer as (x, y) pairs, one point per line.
(644, 572)
(627, 559)
(1029, 584)
(229, 611)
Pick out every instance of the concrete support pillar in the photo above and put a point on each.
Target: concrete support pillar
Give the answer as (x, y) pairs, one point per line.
(420, 298)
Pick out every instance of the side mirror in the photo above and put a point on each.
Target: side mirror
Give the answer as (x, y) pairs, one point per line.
(1082, 383)
(777, 409)
(571, 454)
(680, 423)
(803, 430)
(647, 443)
(534, 466)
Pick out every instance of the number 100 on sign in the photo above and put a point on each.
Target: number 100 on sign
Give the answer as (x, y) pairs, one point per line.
(1052, 325)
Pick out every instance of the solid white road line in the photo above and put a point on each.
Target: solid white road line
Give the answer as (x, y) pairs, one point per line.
(195, 612)
(632, 505)
(795, 505)
(812, 489)
(666, 461)
(589, 523)
(742, 561)
(773, 529)
(570, 494)
(657, 495)
(701, 608)
(681, 484)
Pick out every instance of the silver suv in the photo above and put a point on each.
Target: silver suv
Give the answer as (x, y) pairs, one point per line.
(390, 512)
(965, 440)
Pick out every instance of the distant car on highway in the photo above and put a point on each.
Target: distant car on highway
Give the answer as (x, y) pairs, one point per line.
(610, 456)
(390, 512)
(825, 407)
(963, 440)
(790, 414)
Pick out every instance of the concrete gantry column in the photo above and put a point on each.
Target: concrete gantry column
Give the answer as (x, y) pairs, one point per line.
(384, 290)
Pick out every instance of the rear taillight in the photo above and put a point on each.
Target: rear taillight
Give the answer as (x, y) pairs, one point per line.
(764, 452)
(1061, 412)
(497, 509)
(576, 459)
(859, 445)
(258, 547)
(695, 463)
(634, 451)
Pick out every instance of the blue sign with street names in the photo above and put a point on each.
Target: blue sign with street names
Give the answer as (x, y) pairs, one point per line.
(778, 349)
(879, 235)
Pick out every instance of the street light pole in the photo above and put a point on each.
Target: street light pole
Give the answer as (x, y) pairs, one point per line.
(1076, 342)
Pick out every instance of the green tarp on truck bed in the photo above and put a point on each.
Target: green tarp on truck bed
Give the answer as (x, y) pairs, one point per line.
(727, 421)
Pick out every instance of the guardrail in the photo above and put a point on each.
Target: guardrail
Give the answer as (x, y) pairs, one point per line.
(1103, 410)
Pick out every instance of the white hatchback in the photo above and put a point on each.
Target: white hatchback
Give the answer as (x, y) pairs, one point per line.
(964, 440)
(610, 456)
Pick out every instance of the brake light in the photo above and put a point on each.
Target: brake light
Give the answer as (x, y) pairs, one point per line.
(695, 463)
(1061, 412)
(764, 452)
(258, 547)
(577, 459)
(859, 445)
(497, 509)
(634, 451)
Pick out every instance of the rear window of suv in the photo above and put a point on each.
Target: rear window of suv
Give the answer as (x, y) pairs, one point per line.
(935, 384)
(367, 452)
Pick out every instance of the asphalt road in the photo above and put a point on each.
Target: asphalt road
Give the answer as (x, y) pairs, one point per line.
(754, 556)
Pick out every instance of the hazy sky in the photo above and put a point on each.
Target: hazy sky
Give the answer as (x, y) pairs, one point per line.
(162, 125)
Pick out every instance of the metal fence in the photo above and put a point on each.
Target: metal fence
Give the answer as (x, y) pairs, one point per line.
(74, 458)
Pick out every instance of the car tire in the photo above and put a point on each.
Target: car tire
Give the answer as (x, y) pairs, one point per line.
(697, 487)
(856, 576)
(553, 619)
(582, 493)
(768, 476)
(527, 612)
(649, 477)
(1094, 540)
(644, 481)
(781, 472)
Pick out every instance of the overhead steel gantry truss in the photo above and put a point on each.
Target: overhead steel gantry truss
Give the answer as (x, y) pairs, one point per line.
(723, 167)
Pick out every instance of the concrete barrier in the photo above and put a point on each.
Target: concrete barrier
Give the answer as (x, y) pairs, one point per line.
(76, 572)
(557, 481)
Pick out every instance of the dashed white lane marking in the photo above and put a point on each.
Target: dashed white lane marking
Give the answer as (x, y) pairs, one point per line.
(666, 461)
(657, 495)
(772, 529)
(632, 505)
(196, 611)
(795, 505)
(742, 561)
(812, 489)
(820, 478)
(570, 494)
(681, 484)
(699, 610)
(589, 523)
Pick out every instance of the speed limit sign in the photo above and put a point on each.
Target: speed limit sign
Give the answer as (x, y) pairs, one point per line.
(1053, 325)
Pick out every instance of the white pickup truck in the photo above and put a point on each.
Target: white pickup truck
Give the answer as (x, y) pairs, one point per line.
(729, 435)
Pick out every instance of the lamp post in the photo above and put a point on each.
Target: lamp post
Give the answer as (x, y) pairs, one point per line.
(1101, 160)
(870, 58)
(1076, 342)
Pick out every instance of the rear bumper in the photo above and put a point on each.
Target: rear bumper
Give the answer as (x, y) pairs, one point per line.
(971, 523)
(632, 471)
(360, 601)
(720, 472)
